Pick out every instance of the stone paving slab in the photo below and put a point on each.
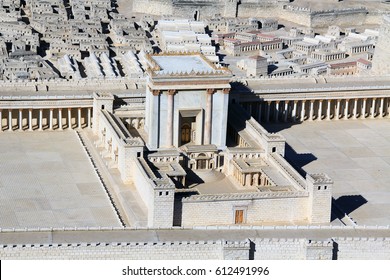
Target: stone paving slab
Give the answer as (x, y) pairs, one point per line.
(46, 180)
(355, 154)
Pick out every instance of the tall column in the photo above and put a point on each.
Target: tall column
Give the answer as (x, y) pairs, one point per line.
(40, 119)
(373, 105)
(1, 120)
(30, 119)
(207, 135)
(319, 114)
(268, 111)
(388, 108)
(294, 111)
(79, 118)
(207, 127)
(355, 105)
(51, 119)
(328, 112)
(337, 114)
(20, 119)
(259, 112)
(363, 114)
(10, 120)
(285, 111)
(60, 118)
(346, 109)
(381, 108)
(89, 117)
(303, 103)
(276, 112)
(311, 110)
(69, 118)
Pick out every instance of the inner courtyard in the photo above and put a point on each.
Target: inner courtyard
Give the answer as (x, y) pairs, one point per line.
(47, 180)
(355, 154)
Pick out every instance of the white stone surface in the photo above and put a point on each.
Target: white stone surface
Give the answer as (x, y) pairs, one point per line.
(46, 180)
(356, 155)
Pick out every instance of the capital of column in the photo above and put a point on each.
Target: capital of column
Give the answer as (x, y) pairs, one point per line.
(210, 91)
(171, 92)
(226, 90)
(156, 92)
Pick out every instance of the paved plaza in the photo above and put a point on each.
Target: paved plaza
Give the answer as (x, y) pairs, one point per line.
(46, 180)
(355, 154)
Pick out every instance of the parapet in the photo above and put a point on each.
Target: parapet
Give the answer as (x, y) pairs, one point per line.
(319, 178)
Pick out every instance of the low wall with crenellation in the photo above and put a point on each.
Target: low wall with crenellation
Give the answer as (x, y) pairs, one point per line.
(258, 208)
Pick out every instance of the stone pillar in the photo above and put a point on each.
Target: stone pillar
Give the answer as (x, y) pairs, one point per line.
(328, 112)
(30, 119)
(40, 119)
(355, 105)
(268, 111)
(207, 135)
(303, 110)
(69, 118)
(294, 111)
(79, 118)
(285, 111)
(89, 117)
(20, 125)
(51, 119)
(373, 105)
(259, 112)
(1, 120)
(276, 112)
(337, 114)
(388, 108)
(319, 115)
(10, 119)
(311, 110)
(346, 109)
(363, 114)
(60, 118)
(381, 108)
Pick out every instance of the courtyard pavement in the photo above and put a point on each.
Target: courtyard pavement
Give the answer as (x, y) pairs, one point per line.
(355, 154)
(46, 180)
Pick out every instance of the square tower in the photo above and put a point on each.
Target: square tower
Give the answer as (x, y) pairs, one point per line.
(186, 101)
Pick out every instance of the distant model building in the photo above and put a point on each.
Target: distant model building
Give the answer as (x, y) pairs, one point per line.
(381, 57)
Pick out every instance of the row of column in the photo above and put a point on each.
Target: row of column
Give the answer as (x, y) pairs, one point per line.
(331, 109)
(39, 120)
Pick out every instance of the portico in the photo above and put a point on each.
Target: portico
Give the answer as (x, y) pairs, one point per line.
(186, 101)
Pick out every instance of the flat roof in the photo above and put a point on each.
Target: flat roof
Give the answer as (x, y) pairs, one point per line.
(182, 63)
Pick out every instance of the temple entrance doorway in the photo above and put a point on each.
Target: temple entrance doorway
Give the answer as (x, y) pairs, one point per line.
(187, 130)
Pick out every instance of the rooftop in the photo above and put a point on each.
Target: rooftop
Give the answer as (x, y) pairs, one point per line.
(182, 63)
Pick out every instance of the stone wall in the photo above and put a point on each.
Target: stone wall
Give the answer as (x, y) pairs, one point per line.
(292, 249)
(347, 17)
(220, 209)
(154, 7)
(144, 187)
(115, 251)
(224, 242)
(362, 248)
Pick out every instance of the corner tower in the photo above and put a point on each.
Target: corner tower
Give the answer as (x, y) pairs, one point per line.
(186, 101)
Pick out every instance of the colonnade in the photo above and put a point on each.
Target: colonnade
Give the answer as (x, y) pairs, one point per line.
(310, 110)
(44, 119)
(253, 179)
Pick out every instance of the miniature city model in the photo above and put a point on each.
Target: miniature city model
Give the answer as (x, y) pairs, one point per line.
(140, 129)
